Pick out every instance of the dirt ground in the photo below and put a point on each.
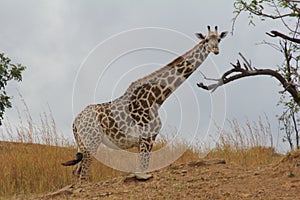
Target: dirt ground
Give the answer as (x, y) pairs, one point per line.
(203, 179)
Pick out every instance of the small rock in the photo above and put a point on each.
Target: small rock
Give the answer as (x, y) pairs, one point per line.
(143, 177)
(106, 194)
(246, 195)
(290, 174)
(67, 190)
(78, 190)
(260, 191)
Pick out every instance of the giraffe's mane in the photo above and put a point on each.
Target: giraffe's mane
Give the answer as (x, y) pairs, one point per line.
(154, 74)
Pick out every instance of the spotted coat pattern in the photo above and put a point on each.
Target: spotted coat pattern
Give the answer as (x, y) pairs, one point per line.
(132, 120)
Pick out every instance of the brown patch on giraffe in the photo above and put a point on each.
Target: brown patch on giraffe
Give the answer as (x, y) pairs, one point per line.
(138, 107)
(177, 82)
(145, 119)
(167, 91)
(120, 135)
(180, 69)
(111, 122)
(163, 83)
(144, 103)
(114, 130)
(188, 72)
(136, 117)
(104, 122)
(120, 123)
(176, 61)
(156, 90)
(170, 80)
(151, 99)
(123, 116)
(166, 74)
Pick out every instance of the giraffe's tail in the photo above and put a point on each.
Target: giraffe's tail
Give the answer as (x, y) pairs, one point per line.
(79, 157)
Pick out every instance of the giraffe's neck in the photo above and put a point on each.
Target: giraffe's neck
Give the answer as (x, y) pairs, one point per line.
(159, 85)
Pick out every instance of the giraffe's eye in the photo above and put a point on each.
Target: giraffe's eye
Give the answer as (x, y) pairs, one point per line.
(206, 40)
(219, 40)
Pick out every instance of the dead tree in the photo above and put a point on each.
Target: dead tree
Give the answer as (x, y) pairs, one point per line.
(239, 71)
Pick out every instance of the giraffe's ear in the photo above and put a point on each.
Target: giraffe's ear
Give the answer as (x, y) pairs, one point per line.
(223, 34)
(200, 36)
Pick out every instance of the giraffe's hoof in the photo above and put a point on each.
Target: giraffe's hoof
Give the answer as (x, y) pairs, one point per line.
(138, 177)
(143, 176)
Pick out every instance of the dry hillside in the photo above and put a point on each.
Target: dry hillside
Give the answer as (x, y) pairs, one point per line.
(203, 179)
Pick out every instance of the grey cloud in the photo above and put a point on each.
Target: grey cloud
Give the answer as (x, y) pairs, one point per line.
(53, 37)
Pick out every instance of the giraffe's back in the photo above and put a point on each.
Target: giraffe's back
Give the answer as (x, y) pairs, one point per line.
(119, 125)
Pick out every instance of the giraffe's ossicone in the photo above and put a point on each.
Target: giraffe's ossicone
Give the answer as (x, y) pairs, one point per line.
(132, 120)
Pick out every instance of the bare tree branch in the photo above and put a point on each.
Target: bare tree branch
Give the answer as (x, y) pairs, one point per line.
(259, 12)
(283, 36)
(238, 72)
(256, 8)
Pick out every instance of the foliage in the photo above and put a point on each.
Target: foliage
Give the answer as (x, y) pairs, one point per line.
(289, 121)
(8, 72)
(287, 12)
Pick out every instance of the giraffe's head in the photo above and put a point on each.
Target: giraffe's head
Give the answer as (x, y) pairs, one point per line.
(212, 39)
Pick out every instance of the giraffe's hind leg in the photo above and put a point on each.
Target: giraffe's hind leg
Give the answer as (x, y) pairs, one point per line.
(80, 170)
(88, 137)
(83, 167)
(77, 166)
(77, 171)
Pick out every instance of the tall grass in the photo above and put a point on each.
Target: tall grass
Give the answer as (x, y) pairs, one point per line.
(247, 145)
(27, 130)
(27, 168)
(31, 154)
(31, 168)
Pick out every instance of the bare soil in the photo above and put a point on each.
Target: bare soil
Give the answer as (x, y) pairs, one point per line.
(203, 179)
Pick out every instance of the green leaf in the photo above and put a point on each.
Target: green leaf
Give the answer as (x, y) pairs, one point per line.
(8, 72)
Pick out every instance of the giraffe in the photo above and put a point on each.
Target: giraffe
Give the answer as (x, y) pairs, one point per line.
(132, 119)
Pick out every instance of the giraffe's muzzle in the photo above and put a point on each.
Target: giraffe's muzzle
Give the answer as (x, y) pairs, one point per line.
(215, 51)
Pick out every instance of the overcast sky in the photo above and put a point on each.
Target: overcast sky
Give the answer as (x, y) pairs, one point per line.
(79, 52)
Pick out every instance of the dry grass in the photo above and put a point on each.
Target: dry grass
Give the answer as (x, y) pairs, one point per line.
(33, 168)
(32, 154)
(248, 145)
(27, 168)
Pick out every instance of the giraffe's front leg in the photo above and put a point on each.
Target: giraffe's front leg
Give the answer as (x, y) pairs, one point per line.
(144, 159)
(145, 148)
